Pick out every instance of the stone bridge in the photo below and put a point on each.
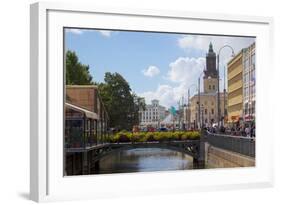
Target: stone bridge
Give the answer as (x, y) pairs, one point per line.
(91, 155)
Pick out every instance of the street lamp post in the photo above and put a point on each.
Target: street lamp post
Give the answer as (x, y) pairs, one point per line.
(202, 116)
(199, 121)
(199, 103)
(188, 104)
(224, 97)
(218, 79)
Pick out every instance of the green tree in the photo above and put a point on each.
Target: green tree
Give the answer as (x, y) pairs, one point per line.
(139, 105)
(76, 72)
(122, 105)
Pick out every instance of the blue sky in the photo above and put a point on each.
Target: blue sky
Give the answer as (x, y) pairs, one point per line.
(156, 65)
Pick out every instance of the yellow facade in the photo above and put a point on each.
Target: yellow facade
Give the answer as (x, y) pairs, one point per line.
(210, 85)
(208, 110)
(235, 88)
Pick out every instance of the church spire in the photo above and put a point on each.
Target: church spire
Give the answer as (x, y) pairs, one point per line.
(211, 70)
(211, 74)
(211, 48)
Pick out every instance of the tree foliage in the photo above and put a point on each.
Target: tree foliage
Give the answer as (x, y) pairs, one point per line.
(122, 105)
(76, 72)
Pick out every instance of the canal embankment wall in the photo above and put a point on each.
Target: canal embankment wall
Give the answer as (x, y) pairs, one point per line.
(220, 158)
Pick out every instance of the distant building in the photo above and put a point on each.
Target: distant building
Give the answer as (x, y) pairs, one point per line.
(86, 124)
(249, 83)
(86, 118)
(152, 115)
(235, 88)
(208, 98)
(241, 86)
(208, 109)
(210, 74)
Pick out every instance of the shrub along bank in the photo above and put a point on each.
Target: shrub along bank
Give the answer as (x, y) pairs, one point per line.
(125, 136)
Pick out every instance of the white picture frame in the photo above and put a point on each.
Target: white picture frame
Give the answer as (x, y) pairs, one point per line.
(46, 102)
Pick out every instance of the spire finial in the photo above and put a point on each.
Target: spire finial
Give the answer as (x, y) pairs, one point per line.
(211, 47)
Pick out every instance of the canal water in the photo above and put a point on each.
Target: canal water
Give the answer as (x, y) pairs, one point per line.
(144, 160)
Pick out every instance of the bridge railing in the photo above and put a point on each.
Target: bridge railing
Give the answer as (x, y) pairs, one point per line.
(239, 144)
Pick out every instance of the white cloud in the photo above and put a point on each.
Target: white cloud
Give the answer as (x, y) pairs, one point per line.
(105, 33)
(151, 71)
(75, 31)
(186, 69)
(166, 94)
(183, 72)
(201, 42)
(192, 43)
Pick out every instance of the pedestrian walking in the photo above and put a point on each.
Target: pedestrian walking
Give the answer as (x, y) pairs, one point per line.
(247, 131)
(253, 131)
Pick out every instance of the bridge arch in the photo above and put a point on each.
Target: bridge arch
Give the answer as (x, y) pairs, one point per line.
(190, 147)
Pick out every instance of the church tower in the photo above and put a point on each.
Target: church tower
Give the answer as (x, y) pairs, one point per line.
(210, 74)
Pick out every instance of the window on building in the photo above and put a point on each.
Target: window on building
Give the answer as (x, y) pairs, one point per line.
(246, 78)
(206, 111)
(246, 109)
(209, 87)
(212, 111)
(246, 64)
(253, 59)
(253, 76)
(246, 91)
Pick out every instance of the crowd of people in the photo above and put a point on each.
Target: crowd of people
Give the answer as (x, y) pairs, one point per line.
(246, 130)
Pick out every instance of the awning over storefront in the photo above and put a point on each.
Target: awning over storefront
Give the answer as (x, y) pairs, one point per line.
(234, 118)
(249, 117)
(88, 113)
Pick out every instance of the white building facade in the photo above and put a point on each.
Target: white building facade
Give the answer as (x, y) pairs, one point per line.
(152, 115)
(249, 79)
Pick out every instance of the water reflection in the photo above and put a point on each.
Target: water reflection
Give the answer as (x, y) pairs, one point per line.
(144, 160)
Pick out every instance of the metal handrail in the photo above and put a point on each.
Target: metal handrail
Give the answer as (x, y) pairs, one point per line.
(239, 144)
(233, 136)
